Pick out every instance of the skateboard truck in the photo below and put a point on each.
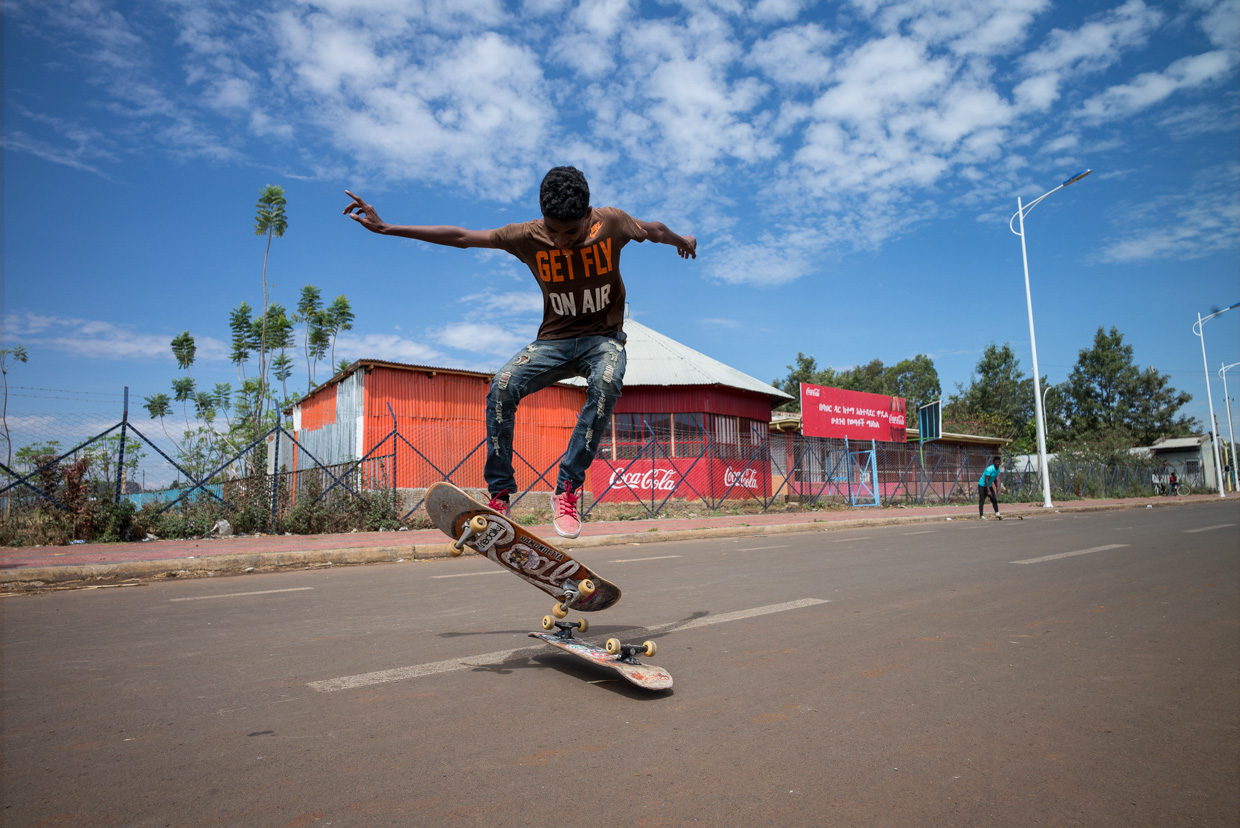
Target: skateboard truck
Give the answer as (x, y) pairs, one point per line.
(574, 591)
(565, 629)
(472, 528)
(625, 653)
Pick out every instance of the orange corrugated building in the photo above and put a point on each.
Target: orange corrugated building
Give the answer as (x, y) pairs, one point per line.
(413, 425)
(418, 424)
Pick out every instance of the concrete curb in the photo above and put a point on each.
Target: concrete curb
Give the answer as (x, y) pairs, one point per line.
(34, 578)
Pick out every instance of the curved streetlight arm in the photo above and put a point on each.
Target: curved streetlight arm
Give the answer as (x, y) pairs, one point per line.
(1203, 319)
(1026, 208)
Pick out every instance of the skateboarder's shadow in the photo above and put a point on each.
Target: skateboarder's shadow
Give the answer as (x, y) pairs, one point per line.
(600, 630)
(536, 658)
(480, 632)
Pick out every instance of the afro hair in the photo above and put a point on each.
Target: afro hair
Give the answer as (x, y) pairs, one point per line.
(564, 195)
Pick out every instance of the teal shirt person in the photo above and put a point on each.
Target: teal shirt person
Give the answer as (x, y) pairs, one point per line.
(989, 476)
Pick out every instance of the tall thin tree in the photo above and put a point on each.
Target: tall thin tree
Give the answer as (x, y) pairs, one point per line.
(9, 357)
(271, 222)
(309, 308)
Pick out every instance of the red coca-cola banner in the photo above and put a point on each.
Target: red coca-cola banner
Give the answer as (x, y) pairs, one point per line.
(834, 412)
(709, 477)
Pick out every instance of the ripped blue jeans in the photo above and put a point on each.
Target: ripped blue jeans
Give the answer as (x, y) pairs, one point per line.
(599, 359)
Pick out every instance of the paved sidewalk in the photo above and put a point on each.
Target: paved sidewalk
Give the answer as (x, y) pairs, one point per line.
(35, 567)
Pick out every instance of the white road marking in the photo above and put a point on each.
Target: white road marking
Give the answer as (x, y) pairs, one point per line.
(470, 574)
(636, 560)
(760, 548)
(241, 594)
(1072, 554)
(1208, 528)
(846, 540)
(454, 664)
(927, 532)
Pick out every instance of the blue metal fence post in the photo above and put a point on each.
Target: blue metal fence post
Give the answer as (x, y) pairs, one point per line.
(120, 460)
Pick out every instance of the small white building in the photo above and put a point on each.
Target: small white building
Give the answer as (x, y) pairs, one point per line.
(1191, 458)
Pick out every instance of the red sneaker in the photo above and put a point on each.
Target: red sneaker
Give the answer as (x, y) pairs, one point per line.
(566, 522)
(499, 503)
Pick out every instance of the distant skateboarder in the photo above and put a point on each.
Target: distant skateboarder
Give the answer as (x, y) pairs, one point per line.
(988, 486)
(574, 253)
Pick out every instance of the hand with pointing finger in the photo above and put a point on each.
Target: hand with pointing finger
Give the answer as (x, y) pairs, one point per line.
(364, 214)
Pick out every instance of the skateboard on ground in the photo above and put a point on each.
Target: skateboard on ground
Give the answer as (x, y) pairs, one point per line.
(510, 545)
(619, 657)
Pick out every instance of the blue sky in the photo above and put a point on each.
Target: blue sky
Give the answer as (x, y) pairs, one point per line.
(849, 169)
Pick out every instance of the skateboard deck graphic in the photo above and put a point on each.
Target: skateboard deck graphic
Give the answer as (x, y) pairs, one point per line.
(508, 544)
(646, 676)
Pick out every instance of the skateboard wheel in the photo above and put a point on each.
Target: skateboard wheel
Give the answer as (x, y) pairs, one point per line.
(582, 625)
(651, 647)
(548, 622)
(456, 550)
(613, 646)
(586, 588)
(558, 611)
(478, 523)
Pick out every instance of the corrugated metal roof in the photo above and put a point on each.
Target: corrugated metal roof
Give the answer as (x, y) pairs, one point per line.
(1169, 443)
(655, 359)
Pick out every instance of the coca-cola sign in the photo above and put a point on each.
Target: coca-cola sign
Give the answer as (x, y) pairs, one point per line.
(857, 415)
(658, 480)
(746, 478)
(681, 477)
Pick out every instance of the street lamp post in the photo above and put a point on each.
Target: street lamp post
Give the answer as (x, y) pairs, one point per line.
(1199, 330)
(1231, 434)
(1022, 211)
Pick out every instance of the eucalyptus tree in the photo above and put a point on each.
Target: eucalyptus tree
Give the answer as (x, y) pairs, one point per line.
(310, 312)
(241, 323)
(270, 221)
(8, 358)
(340, 316)
(159, 406)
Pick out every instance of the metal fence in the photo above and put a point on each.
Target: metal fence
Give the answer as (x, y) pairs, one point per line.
(276, 471)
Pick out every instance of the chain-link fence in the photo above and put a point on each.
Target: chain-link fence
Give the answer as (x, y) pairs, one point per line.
(182, 478)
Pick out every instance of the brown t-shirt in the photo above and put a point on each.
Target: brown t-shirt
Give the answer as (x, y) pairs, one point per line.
(583, 293)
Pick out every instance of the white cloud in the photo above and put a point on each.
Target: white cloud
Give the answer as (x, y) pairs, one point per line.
(769, 262)
(100, 340)
(511, 303)
(781, 11)
(454, 111)
(1219, 22)
(1150, 88)
(388, 347)
(704, 110)
(798, 55)
(1096, 44)
(1188, 225)
(966, 27)
(483, 338)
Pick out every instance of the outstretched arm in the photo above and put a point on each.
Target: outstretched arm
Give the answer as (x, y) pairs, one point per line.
(366, 215)
(657, 231)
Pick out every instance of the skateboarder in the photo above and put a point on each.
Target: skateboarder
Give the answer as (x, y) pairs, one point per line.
(574, 253)
(987, 486)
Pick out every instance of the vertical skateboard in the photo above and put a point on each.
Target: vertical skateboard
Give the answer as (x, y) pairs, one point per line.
(510, 545)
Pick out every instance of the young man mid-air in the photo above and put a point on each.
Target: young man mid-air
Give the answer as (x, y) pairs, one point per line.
(574, 253)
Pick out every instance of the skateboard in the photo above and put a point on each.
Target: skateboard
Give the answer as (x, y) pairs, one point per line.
(510, 545)
(619, 657)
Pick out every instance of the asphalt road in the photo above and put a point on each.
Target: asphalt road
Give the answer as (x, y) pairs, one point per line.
(1070, 669)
